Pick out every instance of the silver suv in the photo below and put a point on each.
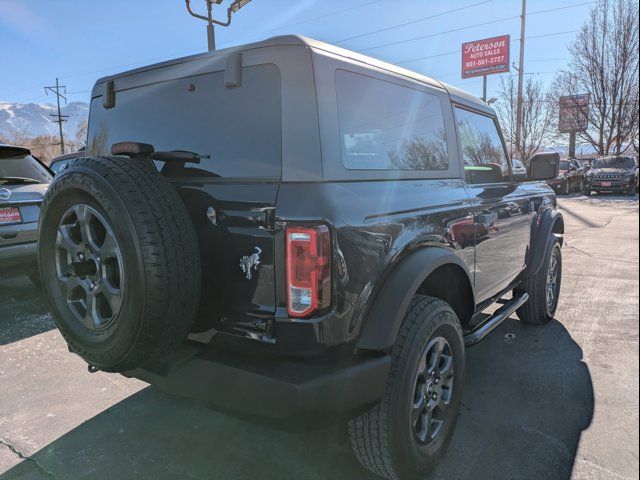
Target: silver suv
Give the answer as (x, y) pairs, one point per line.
(23, 182)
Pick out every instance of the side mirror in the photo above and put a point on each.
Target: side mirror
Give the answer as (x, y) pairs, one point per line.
(544, 166)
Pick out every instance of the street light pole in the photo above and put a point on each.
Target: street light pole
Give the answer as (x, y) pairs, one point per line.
(211, 37)
(211, 34)
(523, 19)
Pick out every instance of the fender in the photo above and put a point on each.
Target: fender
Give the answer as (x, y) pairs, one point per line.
(552, 222)
(385, 315)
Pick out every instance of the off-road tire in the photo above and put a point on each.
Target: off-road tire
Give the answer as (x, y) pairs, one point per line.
(35, 279)
(159, 253)
(381, 438)
(536, 310)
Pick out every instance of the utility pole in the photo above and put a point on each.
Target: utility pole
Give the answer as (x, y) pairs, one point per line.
(523, 20)
(59, 118)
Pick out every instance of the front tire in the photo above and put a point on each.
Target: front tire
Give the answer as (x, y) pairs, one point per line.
(543, 287)
(408, 432)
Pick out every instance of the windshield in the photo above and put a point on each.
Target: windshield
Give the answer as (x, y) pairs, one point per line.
(517, 164)
(564, 165)
(13, 169)
(614, 162)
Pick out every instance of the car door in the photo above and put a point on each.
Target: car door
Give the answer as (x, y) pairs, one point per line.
(501, 207)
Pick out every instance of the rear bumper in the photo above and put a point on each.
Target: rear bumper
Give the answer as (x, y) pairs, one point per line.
(20, 256)
(268, 387)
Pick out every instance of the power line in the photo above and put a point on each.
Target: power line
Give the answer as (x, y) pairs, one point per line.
(561, 8)
(59, 118)
(418, 20)
(438, 33)
(453, 52)
(191, 50)
(553, 34)
(473, 26)
(329, 14)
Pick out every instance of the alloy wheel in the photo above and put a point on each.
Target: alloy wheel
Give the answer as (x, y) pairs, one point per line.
(553, 275)
(89, 267)
(433, 391)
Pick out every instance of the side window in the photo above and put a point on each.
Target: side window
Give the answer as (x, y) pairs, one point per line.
(485, 160)
(384, 126)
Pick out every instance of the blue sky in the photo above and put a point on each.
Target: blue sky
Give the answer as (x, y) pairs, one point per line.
(80, 41)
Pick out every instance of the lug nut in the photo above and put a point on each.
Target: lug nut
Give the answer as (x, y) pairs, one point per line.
(81, 256)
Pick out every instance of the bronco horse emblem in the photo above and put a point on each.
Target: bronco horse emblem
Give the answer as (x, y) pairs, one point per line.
(249, 262)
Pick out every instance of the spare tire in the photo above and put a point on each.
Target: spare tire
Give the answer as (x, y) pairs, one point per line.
(119, 261)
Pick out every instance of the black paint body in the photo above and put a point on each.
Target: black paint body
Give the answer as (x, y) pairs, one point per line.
(380, 220)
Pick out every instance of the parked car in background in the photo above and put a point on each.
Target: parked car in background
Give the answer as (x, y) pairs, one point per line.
(570, 179)
(519, 170)
(585, 165)
(60, 162)
(617, 174)
(23, 182)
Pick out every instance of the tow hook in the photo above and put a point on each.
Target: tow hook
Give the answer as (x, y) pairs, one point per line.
(92, 369)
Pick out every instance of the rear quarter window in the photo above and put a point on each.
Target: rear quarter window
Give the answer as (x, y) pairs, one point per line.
(386, 126)
(240, 129)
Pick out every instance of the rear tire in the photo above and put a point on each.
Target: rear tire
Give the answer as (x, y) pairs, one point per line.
(119, 262)
(401, 438)
(543, 287)
(35, 279)
(586, 192)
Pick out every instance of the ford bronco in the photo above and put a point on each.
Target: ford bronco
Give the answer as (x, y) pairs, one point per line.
(287, 229)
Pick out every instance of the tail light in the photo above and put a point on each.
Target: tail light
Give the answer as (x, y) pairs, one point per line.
(308, 270)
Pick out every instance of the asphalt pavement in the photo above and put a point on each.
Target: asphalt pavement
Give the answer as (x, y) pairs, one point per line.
(552, 402)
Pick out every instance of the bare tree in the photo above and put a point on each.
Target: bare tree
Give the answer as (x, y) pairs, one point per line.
(81, 134)
(45, 147)
(604, 63)
(539, 114)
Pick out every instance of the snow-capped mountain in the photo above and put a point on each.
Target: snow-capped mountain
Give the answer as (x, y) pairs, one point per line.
(34, 119)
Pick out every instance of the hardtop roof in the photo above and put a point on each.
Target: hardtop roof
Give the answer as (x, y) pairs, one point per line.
(456, 94)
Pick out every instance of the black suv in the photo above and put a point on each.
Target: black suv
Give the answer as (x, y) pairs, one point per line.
(612, 174)
(289, 229)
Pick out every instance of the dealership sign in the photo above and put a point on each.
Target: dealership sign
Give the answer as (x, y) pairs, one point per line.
(484, 57)
(574, 113)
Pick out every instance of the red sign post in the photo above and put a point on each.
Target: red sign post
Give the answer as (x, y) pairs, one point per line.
(485, 57)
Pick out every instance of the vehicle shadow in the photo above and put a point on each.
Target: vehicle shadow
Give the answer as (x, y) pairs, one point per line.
(528, 397)
(23, 311)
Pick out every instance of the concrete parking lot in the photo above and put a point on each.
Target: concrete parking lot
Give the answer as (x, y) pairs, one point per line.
(553, 402)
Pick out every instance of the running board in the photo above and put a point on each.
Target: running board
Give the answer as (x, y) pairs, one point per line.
(486, 327)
